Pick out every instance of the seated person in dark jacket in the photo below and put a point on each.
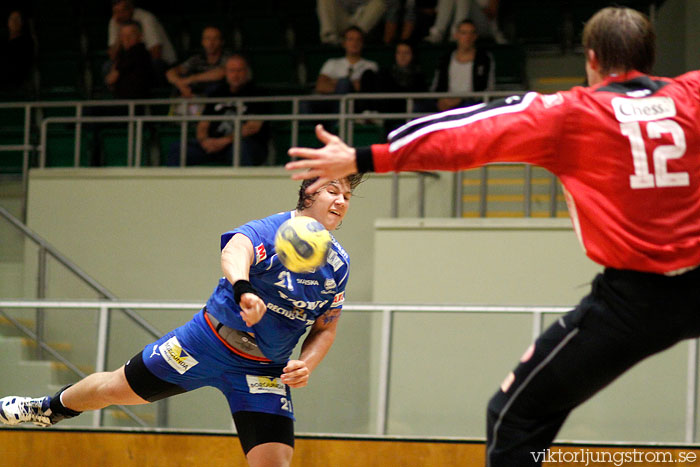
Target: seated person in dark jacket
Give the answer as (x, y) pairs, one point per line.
(467, 69)
(403, 76)
(214, 145)
(131, 76)
(17, 56)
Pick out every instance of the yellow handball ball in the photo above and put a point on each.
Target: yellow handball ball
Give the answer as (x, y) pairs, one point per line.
(302, 244)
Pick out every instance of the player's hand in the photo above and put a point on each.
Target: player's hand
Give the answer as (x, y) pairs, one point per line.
(333, 161)
(296, 374)
(252, 308)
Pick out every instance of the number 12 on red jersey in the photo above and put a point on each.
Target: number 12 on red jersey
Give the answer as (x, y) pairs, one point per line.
(661, 155)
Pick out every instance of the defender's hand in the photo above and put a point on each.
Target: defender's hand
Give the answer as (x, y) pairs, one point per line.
(333, 161)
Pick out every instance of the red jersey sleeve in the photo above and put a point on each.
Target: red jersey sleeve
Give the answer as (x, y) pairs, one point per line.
(516, 129)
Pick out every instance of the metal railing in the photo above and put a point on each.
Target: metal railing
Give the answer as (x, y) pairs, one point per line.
(388, 311)
(138, 114)
(45, 250)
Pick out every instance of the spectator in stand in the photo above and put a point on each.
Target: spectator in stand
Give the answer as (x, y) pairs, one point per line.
(483, 13)
(215, 139)
(336, 16)
(17, 56)
(200, 73)
(467, 69)
(399, 12)
(154, 36)
(403, 76)
(344, 74)
(131, 76)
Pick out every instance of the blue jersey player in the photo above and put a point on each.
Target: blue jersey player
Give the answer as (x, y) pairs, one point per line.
(241, 342)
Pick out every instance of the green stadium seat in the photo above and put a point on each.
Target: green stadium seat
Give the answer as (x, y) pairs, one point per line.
(96, 62)
(303, 20)
(429, 56)
(282, 137)
(60, 148)
(305, 30)
(538, 22)
(257, 7)
(274, 68)
(57, 35)
(95, 30)
(366, 134)
(174, 28)
(263, 31)
(12, 118)
(382, 54)
(510, 66)
(113, 147)
(11, 161)
(169, 133)
(61, 76)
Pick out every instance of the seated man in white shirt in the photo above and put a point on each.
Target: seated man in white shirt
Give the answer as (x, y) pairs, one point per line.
(342, 75)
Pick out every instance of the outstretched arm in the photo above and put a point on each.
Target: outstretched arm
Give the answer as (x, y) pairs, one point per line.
(333, 161)
(515, 129)
(313, 350)
(236, 259)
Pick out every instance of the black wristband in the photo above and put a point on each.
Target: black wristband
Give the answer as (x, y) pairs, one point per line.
(240, 287)
(363, 159)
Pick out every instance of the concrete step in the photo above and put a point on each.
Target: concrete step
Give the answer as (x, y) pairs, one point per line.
(11, 273)
(12, 244)
(505, 192)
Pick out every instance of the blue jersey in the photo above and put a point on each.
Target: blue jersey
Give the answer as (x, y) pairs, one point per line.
(294, 300)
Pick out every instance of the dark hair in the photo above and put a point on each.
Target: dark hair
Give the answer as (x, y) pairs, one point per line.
(623, 39)
(238, 56)
(213, 26)
(408, 44)
(132, 22)
(466, 21)
(353, 28)
(306, 200)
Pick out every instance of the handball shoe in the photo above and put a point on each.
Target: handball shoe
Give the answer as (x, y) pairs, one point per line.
(15, 410)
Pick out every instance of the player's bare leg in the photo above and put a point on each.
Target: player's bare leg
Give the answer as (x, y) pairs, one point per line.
(270, 455)
(100, 390)
(94, 392)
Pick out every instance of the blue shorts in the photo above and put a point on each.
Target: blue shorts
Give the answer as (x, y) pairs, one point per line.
(192, 356)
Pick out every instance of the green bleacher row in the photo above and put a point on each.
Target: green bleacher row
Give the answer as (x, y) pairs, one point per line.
(106, 146)
(280, 37)
(71, 75)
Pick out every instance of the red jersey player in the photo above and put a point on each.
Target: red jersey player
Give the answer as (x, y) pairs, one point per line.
(627, 150)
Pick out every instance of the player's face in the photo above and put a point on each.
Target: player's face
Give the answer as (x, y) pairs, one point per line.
(211, 40)
(236, 73)
(353, 42)
(404, 55)
(331, 204)
(129, 36)
(465, 35)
